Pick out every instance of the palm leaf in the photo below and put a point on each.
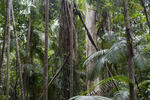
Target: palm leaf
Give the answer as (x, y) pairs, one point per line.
(113, 55)
(140, 60)
(96, 54)
(89, 98)
(117, 78)
(121, 95)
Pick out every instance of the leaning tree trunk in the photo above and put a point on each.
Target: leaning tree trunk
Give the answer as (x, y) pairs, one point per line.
(8, 52)
(4, 40)
(130, 51)
(90, 20)
(18, 55)
(145, 11)
(45, 91)
(67, 44)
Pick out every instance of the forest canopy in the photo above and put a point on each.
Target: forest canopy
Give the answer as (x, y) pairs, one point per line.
(74, 49)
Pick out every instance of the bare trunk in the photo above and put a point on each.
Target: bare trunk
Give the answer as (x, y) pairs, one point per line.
(26, 77)
(8, 52)
(145, 11)
(18, 55)
(90, 20)
(45, 93)
(130, 52)
(67, 43)
(71, 49)
(4, 40)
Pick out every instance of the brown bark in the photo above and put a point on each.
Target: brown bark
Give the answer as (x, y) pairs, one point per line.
(18, 55)
(71, 49)
(26, 77)
(4, 40)
(8, 52)
(45, 93)
(130, 51)
(67, 44)
(145, 12)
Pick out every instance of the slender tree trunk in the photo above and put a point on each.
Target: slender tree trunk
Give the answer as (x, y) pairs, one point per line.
(18, 55)
(8, 52)
(90, 20)
(71, 49)
(145, 11)
(130, 52)
(45, 93)
(26, 77)
(4, 40)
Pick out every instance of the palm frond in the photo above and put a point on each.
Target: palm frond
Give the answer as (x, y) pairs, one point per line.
(121, 95)
(117, 78)
(117, 51)
(140, 60)
(97, 68)
(96, 54)
(89, 98)
(113, 55)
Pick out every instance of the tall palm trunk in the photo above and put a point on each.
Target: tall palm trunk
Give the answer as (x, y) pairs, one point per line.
(130, 51)
(4, 40)
(90, 20)
(18, 55)
(8, 52)
(45, 93)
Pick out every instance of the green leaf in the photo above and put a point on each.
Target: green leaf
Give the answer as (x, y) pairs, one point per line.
(89, 98)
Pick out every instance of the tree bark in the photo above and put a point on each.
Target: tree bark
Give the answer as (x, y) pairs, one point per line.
(8, 51)
(71, 49)
(26, 77)
(45, 93)
(90, 21)
(18, 55)
(4, 40)
(145, 11)
(130, 51)
(68, 46)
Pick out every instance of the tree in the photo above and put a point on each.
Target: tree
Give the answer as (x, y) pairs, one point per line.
(45, 95)
(90, 20)
(18, 55)
(4, 40)
(130, 51)
(8, 51)
(145, 12)
(68, 46)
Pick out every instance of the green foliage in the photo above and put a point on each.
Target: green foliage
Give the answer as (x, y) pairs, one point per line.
(89, 98)
(118, 79)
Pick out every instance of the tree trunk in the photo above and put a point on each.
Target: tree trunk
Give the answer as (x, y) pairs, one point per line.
(71, 49)
(90, 20)
(26, 77)
(18, 55)
(8, 52)
(4, 40)
(130, 51)
(45, 93)
(68, 46)
(145, 11)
